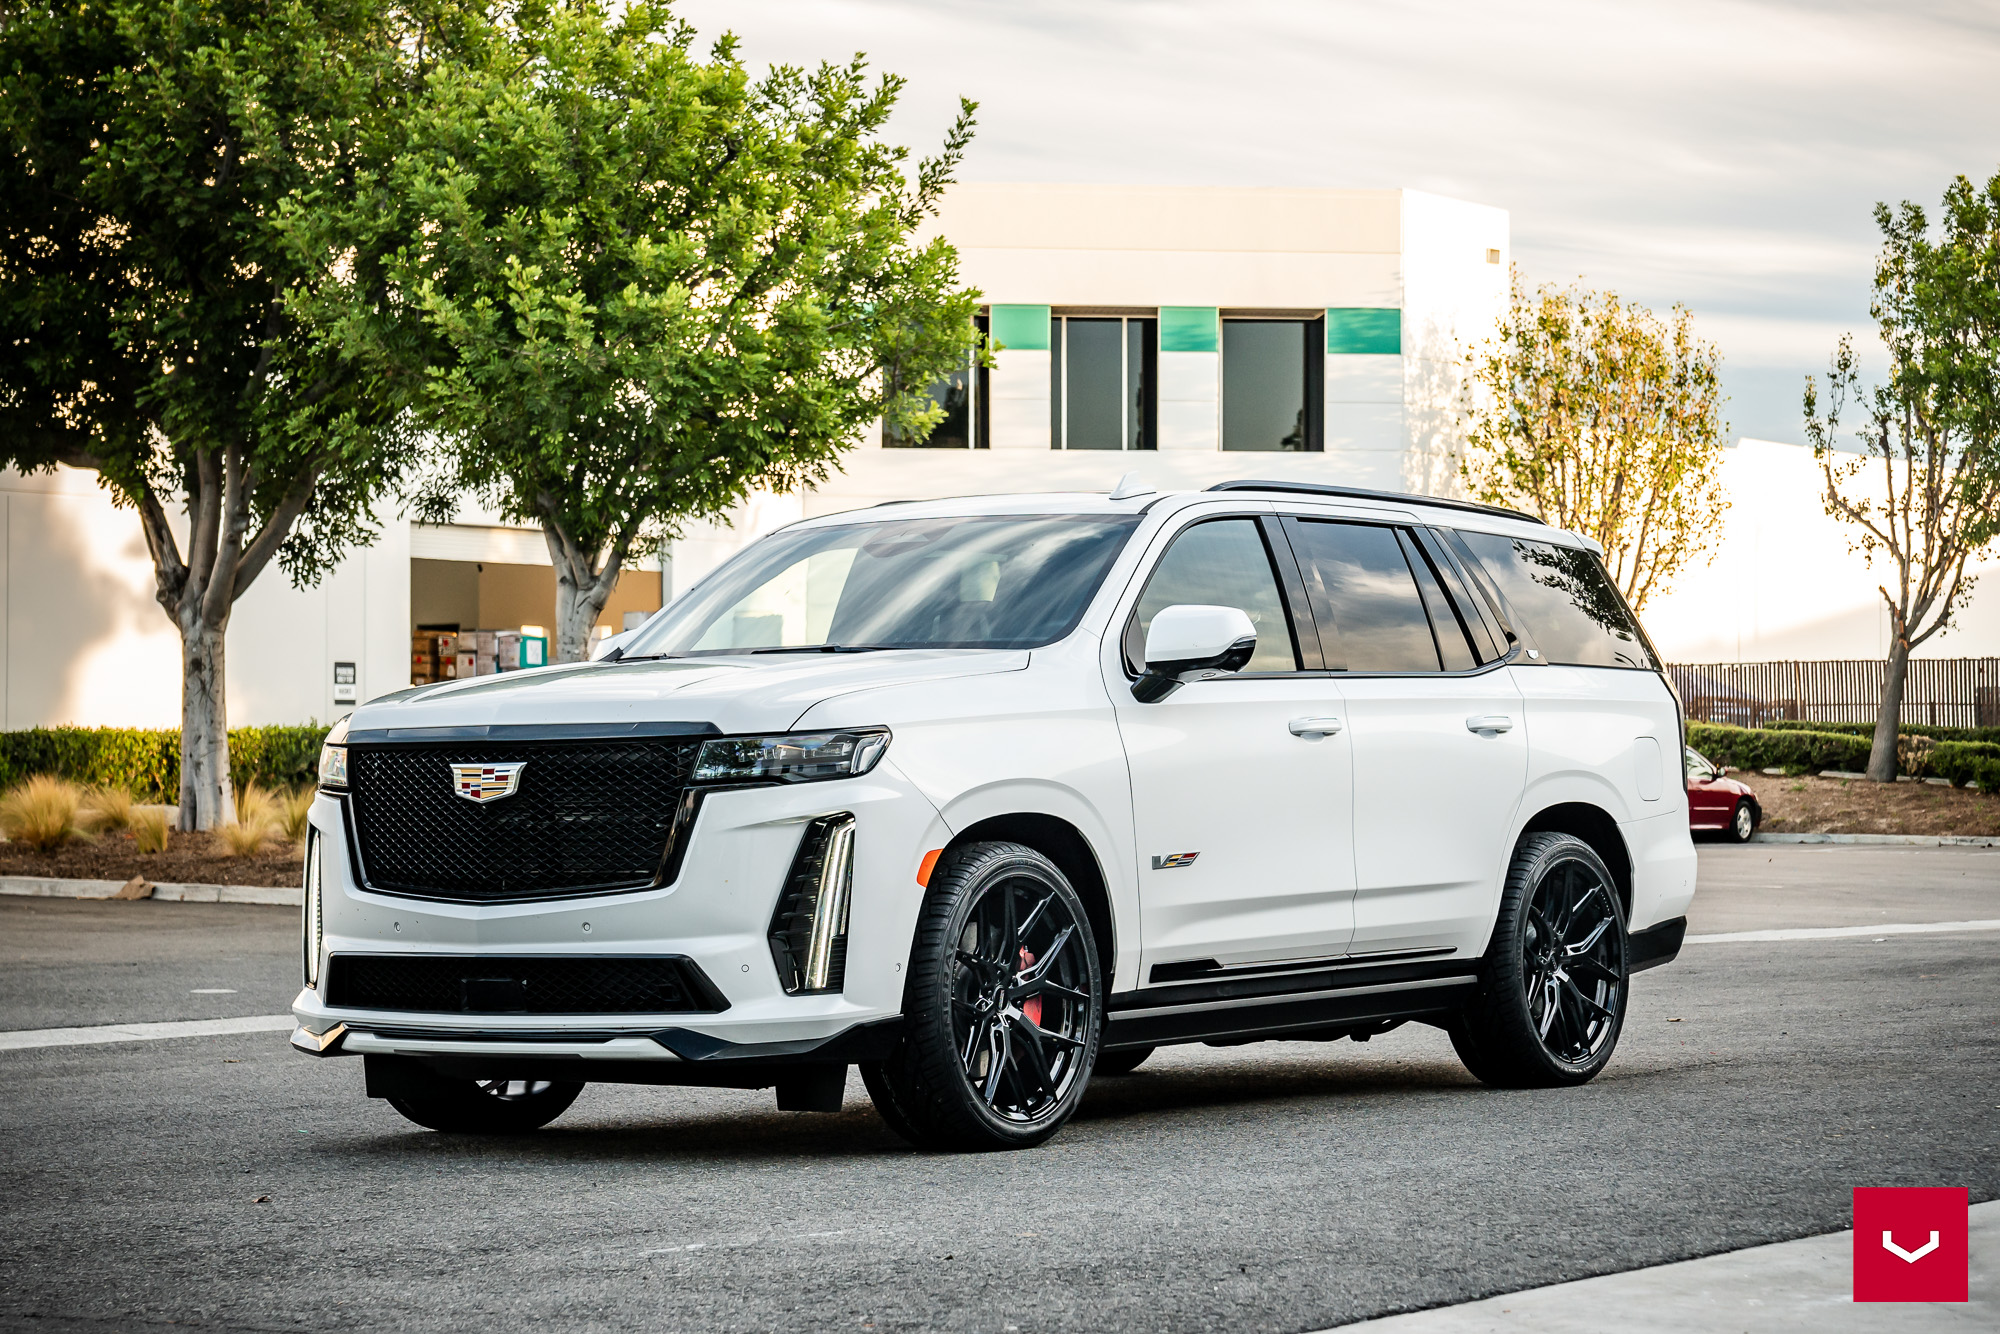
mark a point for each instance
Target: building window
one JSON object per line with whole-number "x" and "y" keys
{"x": 962, "y": 395}
{"x": 1273, "y": 373}
{"x": 1101, "y": 373}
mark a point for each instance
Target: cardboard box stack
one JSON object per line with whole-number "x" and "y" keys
{"x": 485, "y": 645}
{"x": 437, "y": 655}
{"x": 433, "y": 657}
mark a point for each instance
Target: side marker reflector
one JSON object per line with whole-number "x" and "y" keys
{"x": 929, "y": 865}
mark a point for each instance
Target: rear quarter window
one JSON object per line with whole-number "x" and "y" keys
{"x": 1564, "y": 599}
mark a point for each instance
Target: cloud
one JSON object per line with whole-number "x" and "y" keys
{"x": 1724, "y": 154}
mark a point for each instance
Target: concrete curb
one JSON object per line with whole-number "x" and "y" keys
{"x": 1886, "y": 840}
{"x": 291, "y": 896}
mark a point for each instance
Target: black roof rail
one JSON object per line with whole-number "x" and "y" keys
{"x": 1363, "y": 493}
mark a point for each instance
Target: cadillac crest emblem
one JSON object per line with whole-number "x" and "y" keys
{"x": 486, "y": 782}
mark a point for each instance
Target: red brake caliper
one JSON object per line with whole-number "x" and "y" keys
{"x": 1032, "y": 1006}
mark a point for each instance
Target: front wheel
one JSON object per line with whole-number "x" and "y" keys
{"x": 1742, "y": 822}
{"x": 1003, "y": 1007}
{"x": 487, "y": 1106}
{"x": 1553, "y": 996}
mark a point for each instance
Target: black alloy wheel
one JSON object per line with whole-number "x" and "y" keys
{"x": 487, "y": 1106}
{"x": 1003, "y": 1006}
{"x": 1742, "y": 821}
{"x": 1553, "y": 997}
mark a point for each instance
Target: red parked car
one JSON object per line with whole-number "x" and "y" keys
{"x": 1719, "y": 804}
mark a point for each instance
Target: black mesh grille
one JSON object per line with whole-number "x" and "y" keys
{"x": 452, "y": 984}
{"x": 587, "y": 816}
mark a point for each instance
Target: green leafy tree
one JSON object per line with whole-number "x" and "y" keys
{"x": 1599, "y": 417}
{"x": 1923, "y": 493}
{"x": 650, "y": 283}
{"x": 155, "y": 157}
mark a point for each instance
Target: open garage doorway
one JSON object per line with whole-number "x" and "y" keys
{"x": 467, "y": 614}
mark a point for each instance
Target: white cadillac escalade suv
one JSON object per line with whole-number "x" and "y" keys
{"x": 987, "y": 796}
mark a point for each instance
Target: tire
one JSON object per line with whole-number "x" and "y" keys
{"x": 1742, "y": 822}
{"x": 488, "y": 1106}
{"x": 1111, "y": 1064}
{"x": 1554, "y": 982}
{"x": 1003, "y": 1007}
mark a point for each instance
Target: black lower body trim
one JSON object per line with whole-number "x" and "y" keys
{"x": 871, "y": 1041}
{"x": 1655, "y": 945}
{"x": 1323, "y": 1013}
{"x": 706, "y": 1062}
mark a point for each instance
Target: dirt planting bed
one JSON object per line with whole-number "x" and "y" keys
{"x": 197, "y": 859}
{"x": 1812, "y": 805}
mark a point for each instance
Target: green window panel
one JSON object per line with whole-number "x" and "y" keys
{"x": 1366, "y": 329}
{"x": 1021, "y": 328}
{"x": 1189, "y": 329}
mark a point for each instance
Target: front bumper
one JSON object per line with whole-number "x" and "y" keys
{"x": 671, "y": 1056}
{"x": 717, "y": 912}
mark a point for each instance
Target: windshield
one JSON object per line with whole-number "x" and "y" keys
{"x": 993, "y": 582}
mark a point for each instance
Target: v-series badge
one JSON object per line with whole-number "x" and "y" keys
{"x": 1173, "y": 859}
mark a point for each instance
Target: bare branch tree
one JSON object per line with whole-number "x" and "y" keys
{"x": 1923, "y": 493}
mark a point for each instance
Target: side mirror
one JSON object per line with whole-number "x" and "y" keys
{"x": 1190, "y": 642}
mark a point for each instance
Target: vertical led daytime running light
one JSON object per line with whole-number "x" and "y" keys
{"x": 313, "y": 925}
{"x": 829, "y": 927}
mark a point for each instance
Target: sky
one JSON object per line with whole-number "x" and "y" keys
{"x": 1720, "y": 154}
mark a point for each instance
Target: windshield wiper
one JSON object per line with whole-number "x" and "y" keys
{"x": 823, "y": 648}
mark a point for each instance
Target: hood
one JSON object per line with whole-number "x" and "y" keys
{"x": 736, "y": 694}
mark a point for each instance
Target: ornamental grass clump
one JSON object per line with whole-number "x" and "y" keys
{"x": 149, "y": 829}
{"x": 259, "y": 815}
{"x": 245, "y": 838}
{"x": 106, "y": 807}
{"x": 41, "y": 813}
{"x": 294, "y": 811}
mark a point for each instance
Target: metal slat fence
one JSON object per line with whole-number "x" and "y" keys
{"x": 1938, "y": 692}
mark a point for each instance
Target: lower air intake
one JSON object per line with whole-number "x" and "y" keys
{"x": 489, "y": 984}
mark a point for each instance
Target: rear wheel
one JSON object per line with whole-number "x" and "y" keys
{"x": 487, "y": 1106}
{"x": 1742, "y": 822}
{"x": 1553, "y": 999}
{"x": 1003, "y": 1006}
{"x": 1121, "y": 1062}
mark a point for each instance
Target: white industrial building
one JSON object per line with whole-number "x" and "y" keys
{"x": 1185, "y": 334}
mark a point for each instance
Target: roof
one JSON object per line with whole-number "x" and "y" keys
{"x": 1363, "y": 493}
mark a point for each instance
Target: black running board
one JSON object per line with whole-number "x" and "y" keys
{"x": 1297, "y": 1014}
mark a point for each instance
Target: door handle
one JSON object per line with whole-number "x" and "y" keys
{"x": 1313, "y": 726}
{"x": 1489, "y": 722}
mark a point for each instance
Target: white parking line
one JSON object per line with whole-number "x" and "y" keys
{"x": 25, "y": 1038}
{"x": 1840, "y": 932}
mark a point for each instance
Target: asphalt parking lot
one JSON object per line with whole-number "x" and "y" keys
{"x": 1283, "y": 1186}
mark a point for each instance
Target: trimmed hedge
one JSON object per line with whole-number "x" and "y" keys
{"x": 147, "y": 761}
{"x": 1967, "y": 762}
{"x": 1986, "y": 735}
{"x": 1768, "y": 748}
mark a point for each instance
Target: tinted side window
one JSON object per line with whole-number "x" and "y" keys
{"x": 1371, "y": 616}
{"x": 1221, "y": 563}
{"x": 1452, "y": 644}
{"x": 1564, "y": 599}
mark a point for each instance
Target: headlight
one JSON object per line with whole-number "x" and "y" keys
{"x": 333, "y": 757}
{"x": 800, "y": 758}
